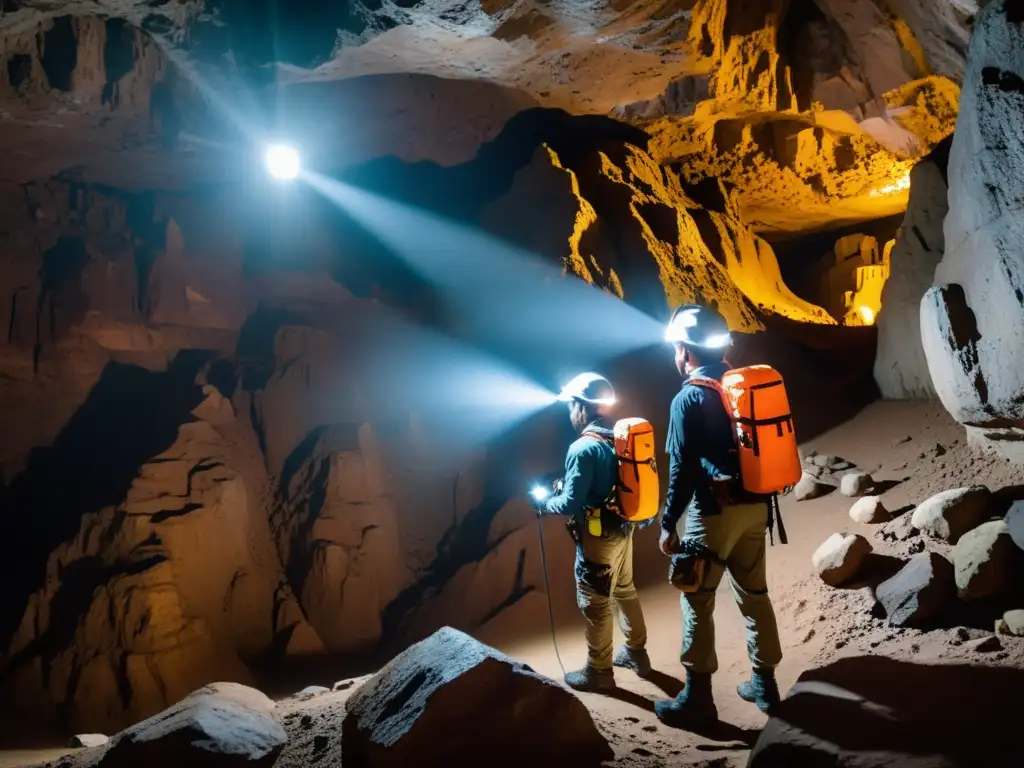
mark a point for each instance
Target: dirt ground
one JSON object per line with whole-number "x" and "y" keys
{"x": 913, "y": 448}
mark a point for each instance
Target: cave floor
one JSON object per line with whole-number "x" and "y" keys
{"x": 913, "y": 449}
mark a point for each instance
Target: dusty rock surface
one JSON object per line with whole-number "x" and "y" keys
{"x": 220, "y": 724}
{"x": 416, "y": 709}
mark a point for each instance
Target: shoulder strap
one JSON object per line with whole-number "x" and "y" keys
{"x": 594, "y": 436}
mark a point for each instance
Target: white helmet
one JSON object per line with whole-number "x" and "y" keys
{"x": 589, "y": 388}
{"x": 699, "y": 327}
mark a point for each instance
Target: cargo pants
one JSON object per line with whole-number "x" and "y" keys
{"x": 737, "y": 536}
{"x": 604, "y": 585}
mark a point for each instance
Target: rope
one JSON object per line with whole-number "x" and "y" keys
{"x": 547, "y": 592}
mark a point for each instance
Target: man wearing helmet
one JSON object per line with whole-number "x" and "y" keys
{"x": 604, "y": 542}
{"x": 715, "y": 522}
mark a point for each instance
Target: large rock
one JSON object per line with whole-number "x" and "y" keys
{"x": 855, "y": 484}
{"x": 869, "y": 511}
{"x": 449, "y": 699}
{"x": 223, "y": 724}
{"x": 901, "y": 369}
{"x": 872, "y": 711}
{"x": 950, "y": 514}
{"x": 1015, "y": 523}
{"x": 984, "y": 560}
{"x": 337, "y": 530}
{"x": 809, "y": 488}
{"x": 1011, "y": 624}
{"x": 972, "y": 320}
{"x": 840, "y": 558}
{"x": 918, "y": 591}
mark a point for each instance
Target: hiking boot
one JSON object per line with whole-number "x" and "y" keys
{"x": 694, "y": 707}
{"x": 590, "y": 679}
{"x": 636, "y": 660}
{"x": 761, "y": 689}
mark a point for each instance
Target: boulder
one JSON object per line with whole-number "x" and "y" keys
{"x": 984, "y": 560}
{"x": 1015, "y": 522}
{"x": 449, "y": 699}
{"x": 972, "y": 319}
{"x": 898, "y": 529}
{"x": 825, "y": 461}
{"x": 840, "y": 557}
{"x": 901, "y": 369}
{"x": 223, "y": 724}
{"x": 1011, "y": 624}
{"x": 809, "y": 488}
{"x": 869, "y": 511}
{"x": 87, "y": 740}
{"x": 873, "y": 711}
{"x": 855, "y": 484}
{"x": 951, "y": 514}
{"x": 918, "y": 591}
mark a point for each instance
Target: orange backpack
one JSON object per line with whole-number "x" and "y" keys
{"x": 756, "y": 401}
{"x": 636, "y": 492}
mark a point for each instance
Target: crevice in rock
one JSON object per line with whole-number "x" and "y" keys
{"x": 1007, "y": 82}
{"x": 118, "y": 56}
{"x": 19, "y": 69}
{"x": 169, "y": 514}
{"x": 518, "y": 592}
{"x": 59, "y": 54}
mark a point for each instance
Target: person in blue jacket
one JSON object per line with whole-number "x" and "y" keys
{"x": 604, "y": 541}
{"x": 709, "y": 517}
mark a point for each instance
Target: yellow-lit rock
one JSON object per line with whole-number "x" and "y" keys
{"x": 699, "y": 253}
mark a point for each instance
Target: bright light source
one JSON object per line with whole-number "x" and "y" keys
{"x": 718, "y": 341}
{"x": 539, "y": 492}
{"x": 282, "y": 162}
{"x": 578, "y": 386}
{"x": 867, "y": 314}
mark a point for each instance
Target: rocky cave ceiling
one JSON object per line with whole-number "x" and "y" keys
{"x": 814, "y": 109}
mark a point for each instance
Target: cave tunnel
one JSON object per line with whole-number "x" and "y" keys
{"x": 291, "y": 295}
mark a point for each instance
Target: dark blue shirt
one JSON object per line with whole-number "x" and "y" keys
{"x": 591, "y": 471}
{"x": 700, "y": 447}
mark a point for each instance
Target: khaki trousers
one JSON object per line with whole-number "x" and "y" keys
{"x": 737, "y": 536}
{"x": 604, "y": 584}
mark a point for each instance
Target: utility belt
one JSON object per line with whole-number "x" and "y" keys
{"x": 600, "y": 522}
{"x": 690, "y": 558}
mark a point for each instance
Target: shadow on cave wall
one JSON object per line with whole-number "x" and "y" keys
{"x": 130, "y": 416}
{"x": 460, "y": 192}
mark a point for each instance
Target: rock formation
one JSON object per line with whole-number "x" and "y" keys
{"x": 449, "y": 696}
{"x": 972, "y": 320}
{"x": 901, "y": 368}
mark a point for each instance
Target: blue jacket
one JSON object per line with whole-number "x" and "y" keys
{"x": 700, "y": 446}
{"x": 591, "y": 471}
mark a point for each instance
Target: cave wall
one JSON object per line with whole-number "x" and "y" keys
{"x": 972, "y": 319}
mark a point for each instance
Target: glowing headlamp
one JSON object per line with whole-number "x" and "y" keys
{"x": 282, "y": 162}
{"x": 539, "y": 492}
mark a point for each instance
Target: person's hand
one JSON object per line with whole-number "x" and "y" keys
{"x": 667, "y": 543}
